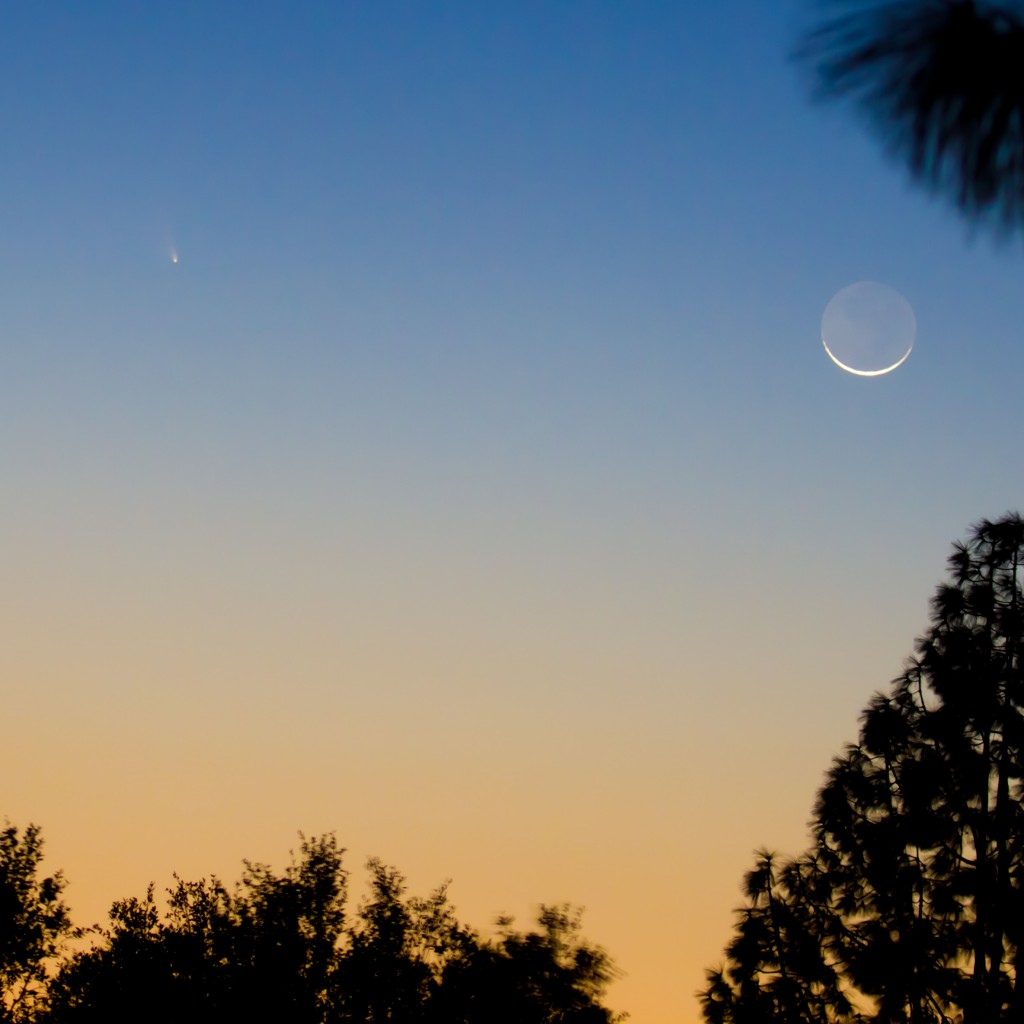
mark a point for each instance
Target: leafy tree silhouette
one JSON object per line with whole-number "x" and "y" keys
{"x": 536, "y": 977}
{"x": 264, "y": 950}
{"x": 397, "y": 952}
{"x": 34, "y": 923}
{"x": 941, "y": 82}
{"x": 281, "y": 947}
{"x": 908, "y": 905}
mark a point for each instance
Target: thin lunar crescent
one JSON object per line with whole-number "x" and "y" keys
{"x": 868, "y": 329}
{"x": 865, "y": 373}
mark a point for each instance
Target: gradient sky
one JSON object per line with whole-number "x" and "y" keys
{"x": 476, "y": 484}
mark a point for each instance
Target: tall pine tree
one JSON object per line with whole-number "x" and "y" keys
{"x": 908, "y": 904}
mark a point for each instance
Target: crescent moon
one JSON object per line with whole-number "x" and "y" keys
{"x": 866, "y": 373}
{"x": 868, "y": 329}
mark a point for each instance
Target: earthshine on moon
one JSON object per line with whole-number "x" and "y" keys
{"x": 868, "y": 329}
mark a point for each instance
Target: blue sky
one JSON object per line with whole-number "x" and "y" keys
{"x": 484, "y": 409}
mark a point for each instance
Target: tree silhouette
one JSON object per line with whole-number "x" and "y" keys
{"x": 263, "y": 950}
{"x": 34, "y": 923}
{"x": 942, "y": 84}
{"x": 536, "y": 977}
{"x": 282, "y": 947}
{"x": 397, "y": 952}
{"x": 908, "y": 905}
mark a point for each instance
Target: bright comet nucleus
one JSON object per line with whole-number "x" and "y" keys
{"x": 868, "y": 329}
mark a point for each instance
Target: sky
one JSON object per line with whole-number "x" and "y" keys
{"x": 475, "y": 485}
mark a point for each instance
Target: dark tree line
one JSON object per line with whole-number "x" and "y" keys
{"x": 909, "y": 904}
{"x": 284, "y": 947}
{"x": 34, "y": 924}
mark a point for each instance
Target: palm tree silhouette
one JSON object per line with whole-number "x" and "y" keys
{"x": 942, "y": 83}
